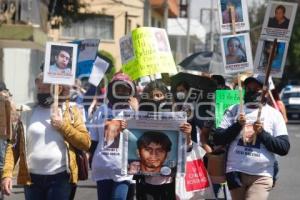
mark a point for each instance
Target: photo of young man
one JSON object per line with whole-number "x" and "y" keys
{"x": 61, "y": 57}
{"x": 152, "y": 149}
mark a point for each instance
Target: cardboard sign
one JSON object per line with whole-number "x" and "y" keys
{"x": 146, "y": 52}
{"x": 225, "y": 99}
{"x": 99, "y": 68}
{"x": 60, "y": 63}
{"x": 87, "y": 51}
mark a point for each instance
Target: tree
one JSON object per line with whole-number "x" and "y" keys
{"x": 68, "y": 10}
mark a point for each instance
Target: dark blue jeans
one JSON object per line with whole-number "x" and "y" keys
{"x": 48, "y": 187}
{"x": 111, "y": 190}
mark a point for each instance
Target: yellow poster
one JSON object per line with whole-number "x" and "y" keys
{"x": 146, "y": 52}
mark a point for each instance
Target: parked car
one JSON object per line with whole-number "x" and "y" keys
{"x": 291, "y": 99}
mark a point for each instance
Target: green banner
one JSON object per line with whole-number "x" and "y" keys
{"x": 146, "y": 52}
{"x": 225, "y": 99}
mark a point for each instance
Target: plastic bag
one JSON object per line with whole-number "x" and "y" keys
{"x": 195, "y": 183}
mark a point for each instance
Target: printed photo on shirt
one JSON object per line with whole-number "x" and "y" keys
{"x": 60, "y": 63}
{"x": 279, "y": 19}
{"x": 112, "y": 131}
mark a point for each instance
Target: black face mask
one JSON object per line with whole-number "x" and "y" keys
{"x": 252, "y": 97}
{"x": 45, "y": 99}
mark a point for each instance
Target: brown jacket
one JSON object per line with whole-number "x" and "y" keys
{"x": 75, "y": 135}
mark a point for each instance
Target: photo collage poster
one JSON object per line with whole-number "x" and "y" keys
{"x": 235, "y": 42}
{"x": 278, "y": 23}
{"x": 155, "y": 145}
{"x": 60, "y": 63}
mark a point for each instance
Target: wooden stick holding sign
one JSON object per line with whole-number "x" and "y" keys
{"x": 56, "y": 93}
{"x": 266, "y": 83}
{"x": 232, "y": 16}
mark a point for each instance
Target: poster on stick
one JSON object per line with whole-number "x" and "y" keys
{"x": 236, "y": 52}
{"x": 262, "y": 55}
{"x": 146, "y": 52}
{"x": 240, "y": 17}
{"x": 60, "y": 63}
{"x": 155, "y": 145}
{"x": 279, "y": 19}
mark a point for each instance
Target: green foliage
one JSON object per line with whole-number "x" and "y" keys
{"x": 112, "y": 62}
{"x": 68, "y": 10}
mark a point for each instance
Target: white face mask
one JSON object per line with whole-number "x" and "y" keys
{"x": 180, "y": 95}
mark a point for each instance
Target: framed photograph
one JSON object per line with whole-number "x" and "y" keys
{"x": 279, "y": 19}
{"x": 240, "y": 15}
{"x": 155, "y": 146}
{"x": 236, "y": 53}
{"x": 60, "y": 63}
{"x": 262, "y": 55}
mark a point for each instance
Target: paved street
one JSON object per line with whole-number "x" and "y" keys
{"x": 287, "y": 188}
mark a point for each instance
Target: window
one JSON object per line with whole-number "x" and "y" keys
{"x": 93, "y": 26}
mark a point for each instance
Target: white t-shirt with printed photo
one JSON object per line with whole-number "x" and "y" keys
{"x": 107, "y": 162}
{"x": 250, "y": 158}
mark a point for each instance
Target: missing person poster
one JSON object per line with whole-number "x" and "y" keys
{"x": 279, "y": 19}
{"x": 262, "y": 55}
{"x": 236, "y": 52}
{"x": 146, "y": 52}
{"x": 155, "y": 145}
{"x": 60, "y": 63}
{"x": 240, "y": 15}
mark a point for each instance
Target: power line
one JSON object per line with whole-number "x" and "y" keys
{"x": 129, "y": 5}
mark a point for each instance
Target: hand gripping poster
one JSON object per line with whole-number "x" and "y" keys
{"x": 155, "y": 146}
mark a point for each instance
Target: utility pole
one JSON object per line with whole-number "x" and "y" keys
{"x": 147, "y": 13}
{"x": 166, "y": 14}
{"x": 212, "y": 26}
{"x": 188, "y": 27}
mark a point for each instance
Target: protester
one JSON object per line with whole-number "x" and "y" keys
{"x": 61, "y": 63}
{"x": 47, "y": 168}
{"x": 155, "y": 97}
{"x": 250, "y": 161}
{"x": 106, "y": 162}
{"x": 235, "y": 51}
{"x": 279, "y": 20}
{"x": 207, "y": 131}
{"x": 6, "y": 132}
{"x": 158, "y": 187}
